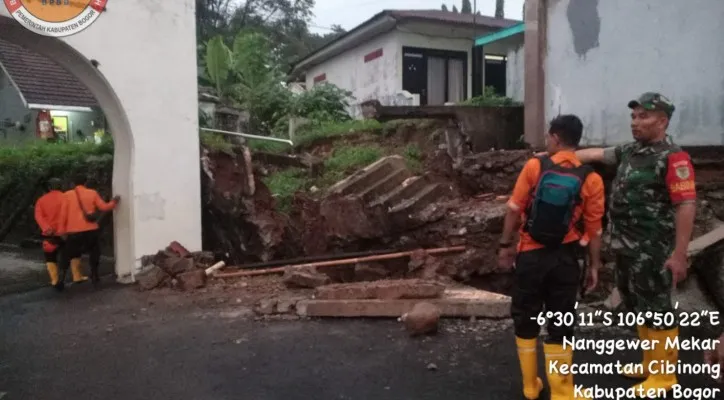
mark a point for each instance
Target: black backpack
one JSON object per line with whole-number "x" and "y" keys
{"x": 554, "y": 199}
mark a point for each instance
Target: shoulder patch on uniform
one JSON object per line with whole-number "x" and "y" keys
{"x": 682, "y": 171}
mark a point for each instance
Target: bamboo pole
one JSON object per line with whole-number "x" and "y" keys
{"x": 348, "y": 261}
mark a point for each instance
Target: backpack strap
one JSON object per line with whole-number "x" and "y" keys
{"x": 545, "y": 164}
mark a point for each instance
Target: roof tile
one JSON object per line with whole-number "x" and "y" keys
{"x": 452, "y": 17}
{"x": 41, "y": 80}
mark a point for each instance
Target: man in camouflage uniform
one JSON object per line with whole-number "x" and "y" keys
{"x": 651, "y": 215}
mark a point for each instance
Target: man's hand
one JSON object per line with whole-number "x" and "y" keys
{"x": 117, "y": 199}
{"x": 506, "y": 258}
{"x": 678, "y": 264}
{"x": 592, "y": 277}
{"x": 49, "y": 232}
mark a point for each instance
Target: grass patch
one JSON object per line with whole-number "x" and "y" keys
{"x": 284, "y": 184}
{"x": 216, "y": 141}
{"x": 311, "y": 134}
{"x": 413, "y": 158}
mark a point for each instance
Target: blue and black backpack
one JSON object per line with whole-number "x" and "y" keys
{"x": 554, "y": 199}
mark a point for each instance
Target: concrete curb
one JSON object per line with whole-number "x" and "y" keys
{"x": 458, "y": 303}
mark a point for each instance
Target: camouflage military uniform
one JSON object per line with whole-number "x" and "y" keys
{"x": 650, "y": 181}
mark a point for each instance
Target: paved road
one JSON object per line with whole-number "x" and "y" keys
{"x": 118, "y": 344}
{"x": 23, "y": 269}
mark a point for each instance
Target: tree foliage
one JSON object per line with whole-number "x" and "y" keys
{"x": 284, "y": 22}
{"x": 499, "y": 8}
{"x": 467, "y": 8}
{"x": 250, "y": 76}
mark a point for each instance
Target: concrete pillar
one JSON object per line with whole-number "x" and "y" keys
{"x": 146, "y": 85}
{"x": 535, "y": 52}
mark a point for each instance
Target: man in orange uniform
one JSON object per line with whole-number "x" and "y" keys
{"x": 80, "y": 214}
{"x": 551, "y": 196}
{"x": 47, "y": 216}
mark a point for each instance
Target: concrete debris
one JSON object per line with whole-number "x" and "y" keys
{"x": 151, "y": 278}
{"x": 307, "y": 277}
{"x": 371, "y": 271}
{"x": 385, "y": 289}
{"x": 422, "y": 319}
{"x": 168, "y": 268}
{"x": 265, "y": 307}
{"x": 193, "y": 279}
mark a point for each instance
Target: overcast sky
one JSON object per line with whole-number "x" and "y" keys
{"x": 350, "y": 13}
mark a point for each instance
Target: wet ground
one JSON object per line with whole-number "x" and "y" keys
{"x": 120, "y": 344}
{"x": 23, "y": 269}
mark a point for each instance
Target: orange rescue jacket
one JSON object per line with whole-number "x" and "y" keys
{"x": 48, "y": 210}
{"x": 72, "y": 215}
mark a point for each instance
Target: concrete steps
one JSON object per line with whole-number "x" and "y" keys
{"x": 385, "y": 185}
{"x": 389, "y": 183}
{"x": 368, "y": 176}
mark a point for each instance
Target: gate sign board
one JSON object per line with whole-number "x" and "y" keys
{"x": 56, "y": 18}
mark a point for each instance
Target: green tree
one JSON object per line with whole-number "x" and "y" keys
{"x": 499, "y": 8}
{"x": 467, "y": 8}
{"x": 444, "y": 8}
{"x": 455, "y": 9}
{"x": 284, "y": 22}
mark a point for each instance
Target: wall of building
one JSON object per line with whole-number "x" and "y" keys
{"x": 601, "y": 54}
{"x": 151, "y": 105}
{"x": 13, "y": 110}
{"x": 515, "y": 73}
{"x": 374, "y": 79}
{"x": 381, "y": 78}
{"x": 435, "y": 36}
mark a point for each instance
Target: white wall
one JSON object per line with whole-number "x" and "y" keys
{"x": 515, "y": 73}
{"x": 601, "y": 54}
{"x": 375, "y": 79}
{"x": 146, "y": 86}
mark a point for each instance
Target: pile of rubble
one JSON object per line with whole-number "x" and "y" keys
{"x": 381, "y": 207}
{"x": 177, "y": 268}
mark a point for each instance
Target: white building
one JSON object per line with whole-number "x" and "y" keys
{"x": 31, "y": 83}
{"x": 429, "y": 54}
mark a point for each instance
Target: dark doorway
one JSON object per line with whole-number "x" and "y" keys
{"x": 438, "y": 76}
{"x": 414, "y": 73}
{"x": 495, "y": 73}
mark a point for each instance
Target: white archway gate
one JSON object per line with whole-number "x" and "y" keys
{"x": 146, "y": 84}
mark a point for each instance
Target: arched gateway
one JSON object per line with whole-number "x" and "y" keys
{"x": 144, "y": 79}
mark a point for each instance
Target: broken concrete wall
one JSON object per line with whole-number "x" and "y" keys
{"x": 489, "y": 128}
{"x": 590, "y": 56}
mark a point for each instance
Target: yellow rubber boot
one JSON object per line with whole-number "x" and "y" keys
{"x": 640, "y": 371}
{"x": 659, "y": 379}
{"x": 561, "y": 385}
{"x": 52, "y": 272}
{"x": 527, "y": 355}
{"x": 77, "y": 273}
